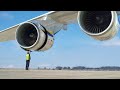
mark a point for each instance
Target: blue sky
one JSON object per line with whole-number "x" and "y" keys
{"x": 71, "y": 48}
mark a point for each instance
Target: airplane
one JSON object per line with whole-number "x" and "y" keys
{"x": 37, "y": 34}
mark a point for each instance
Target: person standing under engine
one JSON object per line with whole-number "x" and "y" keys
{"x": 28, "y": 57}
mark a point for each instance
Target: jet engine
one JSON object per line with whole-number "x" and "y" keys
{"x": 34, "y": 36}
{"x": 101, "y": 25}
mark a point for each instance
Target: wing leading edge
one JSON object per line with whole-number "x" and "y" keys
{"x": 53, "y": 20}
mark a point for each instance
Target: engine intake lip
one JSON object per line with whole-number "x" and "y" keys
{"x": 79, "y": 17}
{"x": 38, "y": 35}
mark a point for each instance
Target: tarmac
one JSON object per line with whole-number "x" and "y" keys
{"x": 57, "y": 74}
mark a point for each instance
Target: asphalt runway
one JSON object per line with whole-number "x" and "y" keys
{"x": 57, "y": 74}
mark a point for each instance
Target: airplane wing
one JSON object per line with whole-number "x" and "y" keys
{"x": 52, "y": 19}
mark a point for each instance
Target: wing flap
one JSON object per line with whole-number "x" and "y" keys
{"x": 8, "y": 34}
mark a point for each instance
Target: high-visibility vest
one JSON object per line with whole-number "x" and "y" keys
{"x": 28, "y": 57}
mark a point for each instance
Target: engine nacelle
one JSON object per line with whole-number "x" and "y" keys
{"x": 34, "y": 36}
{"x": 101, "y": 25}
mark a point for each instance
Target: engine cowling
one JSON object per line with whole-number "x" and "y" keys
{"x": 101, "y": 25}
{"x": 34, "y": 36}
